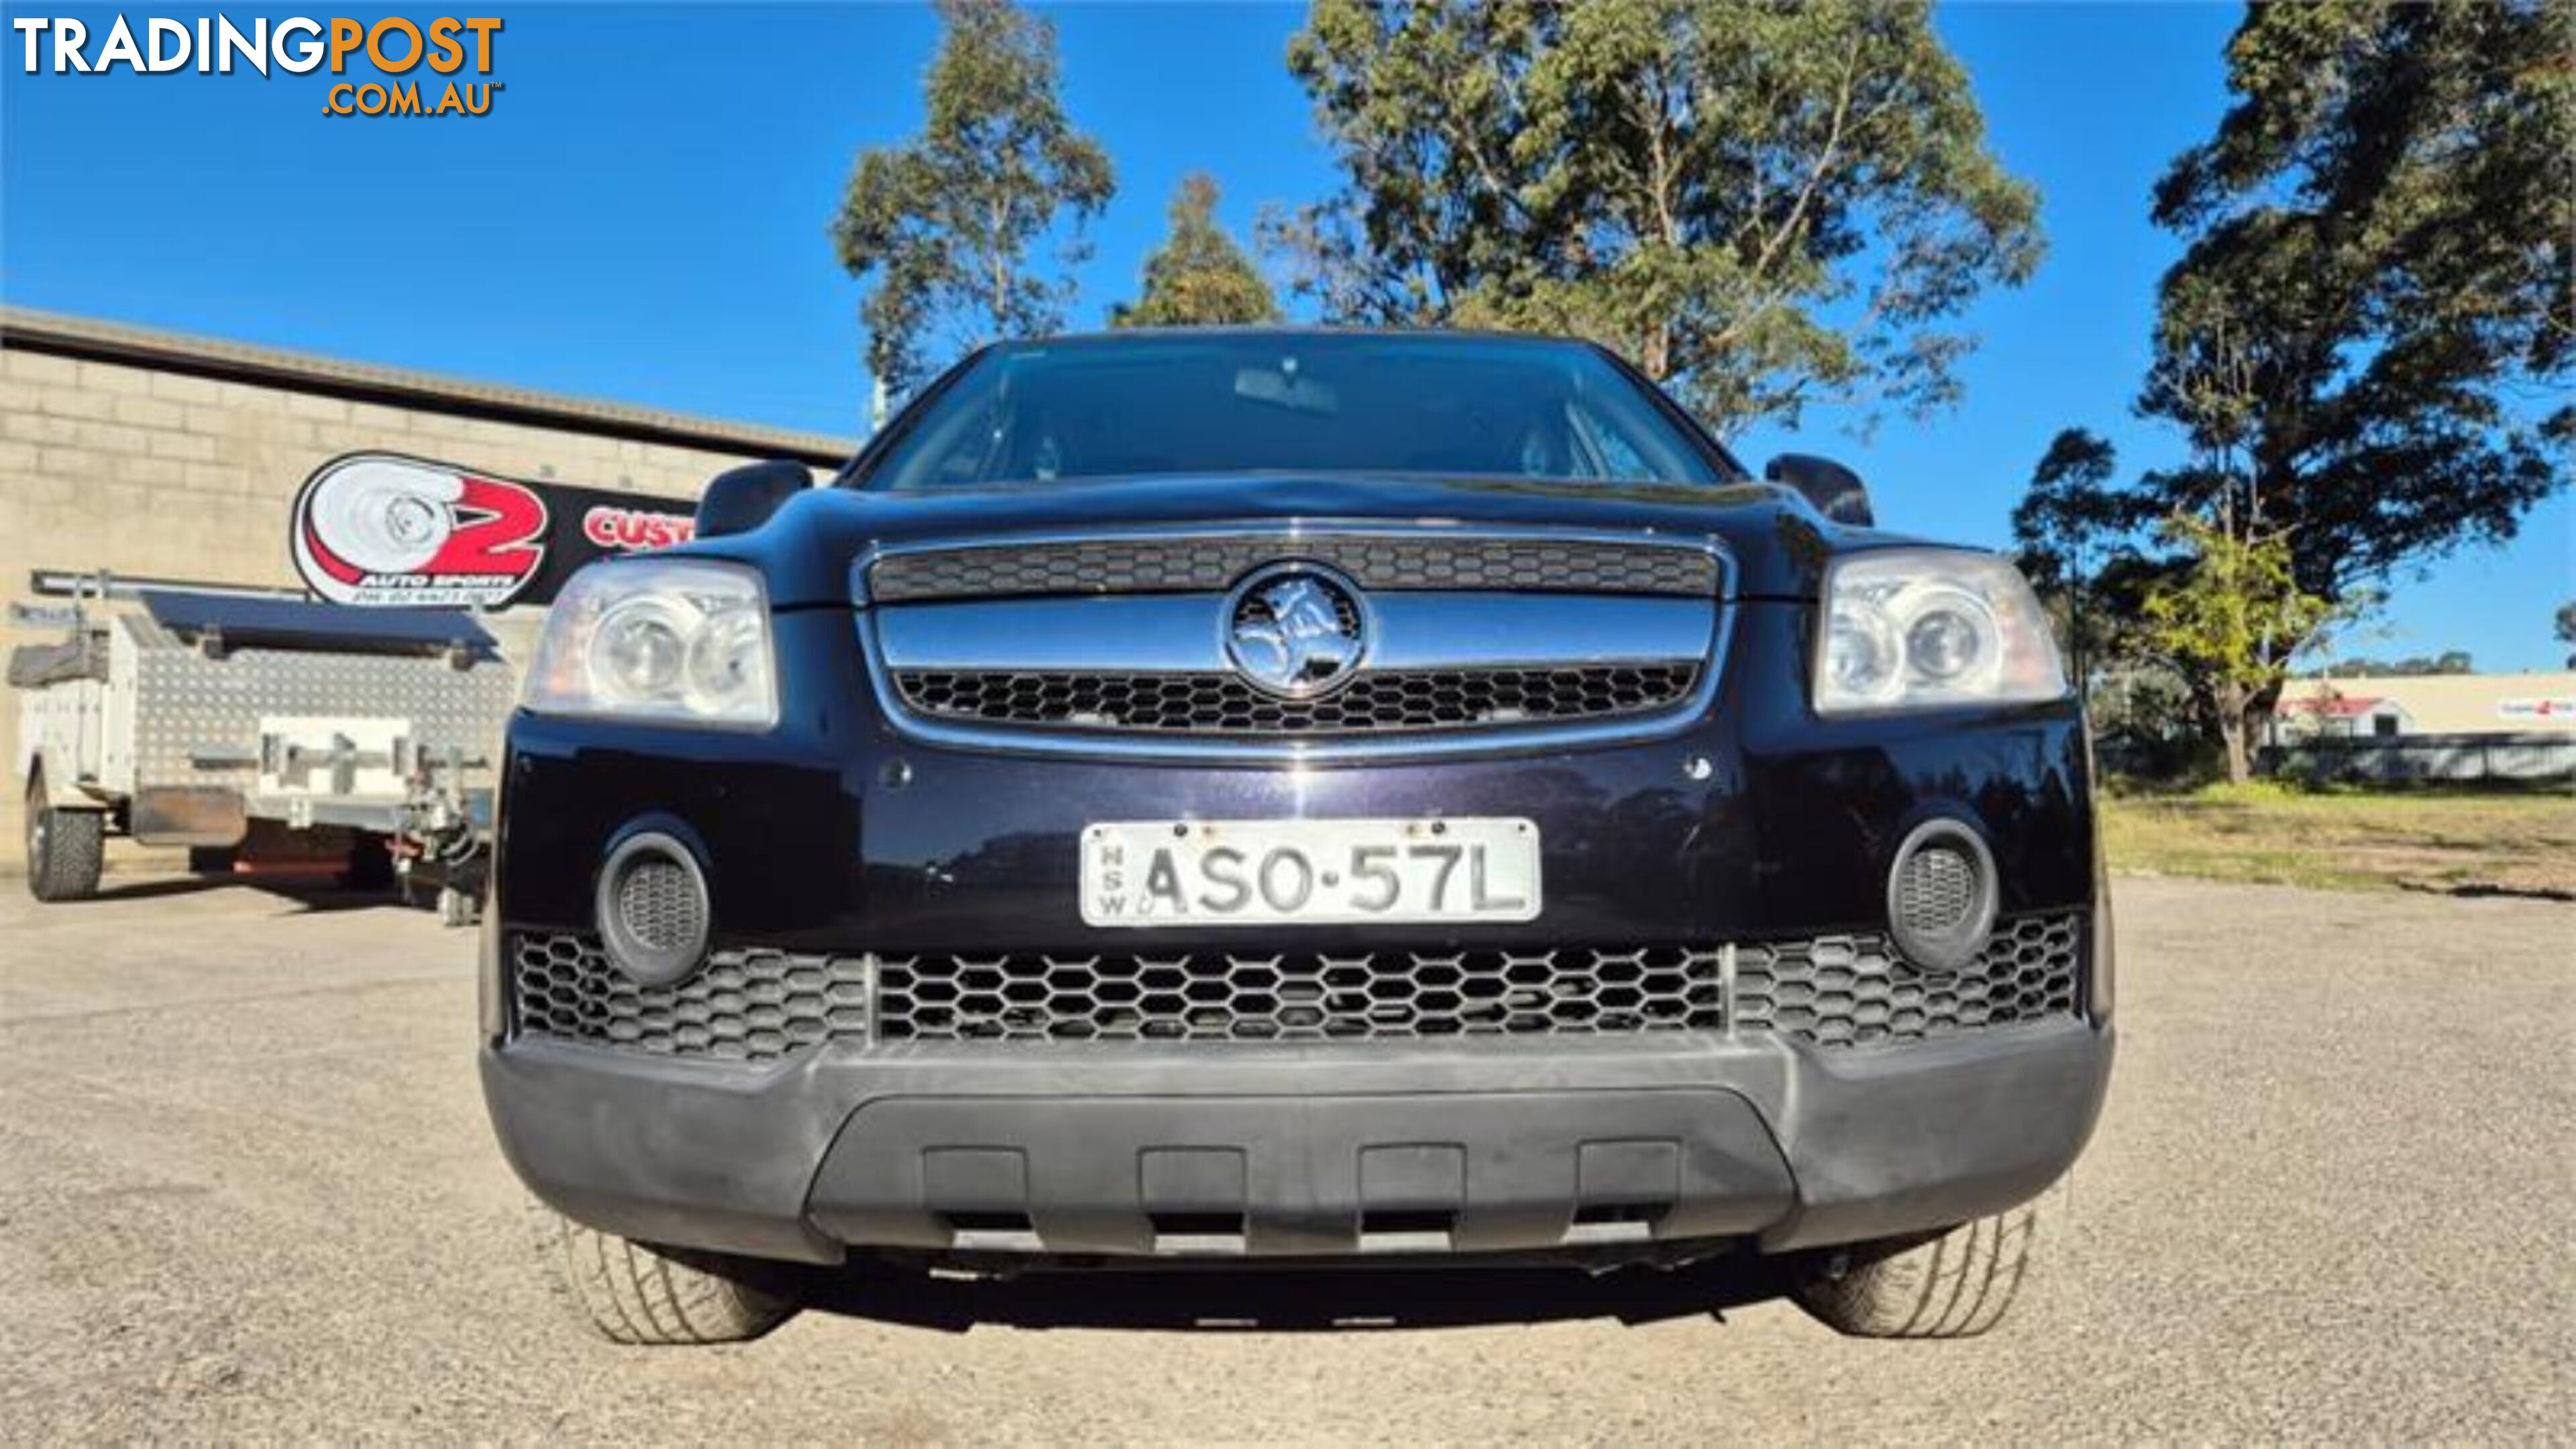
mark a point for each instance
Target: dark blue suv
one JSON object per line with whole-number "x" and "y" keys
{"x": 1314, "y": 797}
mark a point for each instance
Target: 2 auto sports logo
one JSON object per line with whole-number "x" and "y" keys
{"x": 379, "y": 529}
{"x": 375, "y": 529}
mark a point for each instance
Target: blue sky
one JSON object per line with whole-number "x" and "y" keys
{"x": 642, "y": 218}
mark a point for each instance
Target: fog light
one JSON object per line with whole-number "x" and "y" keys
{"x": 1941, "y": 896}
{"x": 652, "y": 908}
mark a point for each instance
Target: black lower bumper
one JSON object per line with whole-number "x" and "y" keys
{"x": 1277, "y": 1150}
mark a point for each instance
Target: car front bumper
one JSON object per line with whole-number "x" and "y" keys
{"x": 837, "y": 834}
{"x": 1286, "y": 1150}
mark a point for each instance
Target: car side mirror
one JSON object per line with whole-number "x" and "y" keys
{"x": 1836, "y": 491}
{"x": 739, "y": 500}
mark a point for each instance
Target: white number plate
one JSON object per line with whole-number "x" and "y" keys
{"x": 1308, "y": 872}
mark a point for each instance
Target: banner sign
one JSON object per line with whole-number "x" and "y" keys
{"x": 381, "y": 530}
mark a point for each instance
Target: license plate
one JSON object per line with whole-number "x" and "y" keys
{"x": 1144, "y": 873}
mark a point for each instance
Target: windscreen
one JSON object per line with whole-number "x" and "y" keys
{"x": 1143, "y": 406}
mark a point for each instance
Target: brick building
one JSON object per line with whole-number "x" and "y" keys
{"x": 154, "y": 455}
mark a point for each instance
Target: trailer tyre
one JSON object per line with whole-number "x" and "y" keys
{"x": 370, "y": 867}
{"x": 65, "y": 848}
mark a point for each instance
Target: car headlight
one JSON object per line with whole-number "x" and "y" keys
{"x": 684, "y": 640}
{"x": 1915, "y": 628}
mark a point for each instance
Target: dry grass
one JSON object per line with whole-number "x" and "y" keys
{"x": 2523, "y": 844}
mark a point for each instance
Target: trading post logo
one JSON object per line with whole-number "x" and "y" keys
{"x": 448, "y": 46}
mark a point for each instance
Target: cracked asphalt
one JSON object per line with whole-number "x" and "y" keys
{"x": 247, "y": 1191}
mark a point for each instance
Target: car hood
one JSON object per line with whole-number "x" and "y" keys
{"x": 1779, "y": 545}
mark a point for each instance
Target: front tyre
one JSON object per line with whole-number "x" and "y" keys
{"x": 1955, "y": 1286}
{"x": 629, "y": 1292}
{"x": 65, "y": 848}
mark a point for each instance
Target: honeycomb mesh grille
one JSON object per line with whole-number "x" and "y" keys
{"x": 1204, "y": 564}
{"x": 752, "y": 1006}
{"x": 1854, "y": 990}
{"x": 1834, "y": 992}
{"x": 660, "y": 904}
{"x": 1299, "y": 997}
{"x": 1374, "y": 703}
{"x": 1937, "y": 894}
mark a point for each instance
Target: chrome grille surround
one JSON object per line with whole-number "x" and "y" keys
{"x": 1834, "y": 993}
{"x": 950, "y": 646}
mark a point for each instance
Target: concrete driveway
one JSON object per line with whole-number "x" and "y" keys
{"x": 246, "y": 1190}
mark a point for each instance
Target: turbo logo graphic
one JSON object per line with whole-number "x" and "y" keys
{"x": 376, "y": 529}
{"x": 387, "y": 530}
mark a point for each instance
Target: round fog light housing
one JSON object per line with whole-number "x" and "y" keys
{"x": 1941, "y": 896}
{"x": 652, "y": 909}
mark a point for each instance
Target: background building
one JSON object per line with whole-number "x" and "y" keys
{"x": 2396, "y": 706}
{"x": 158, "y": 456}
{"x": 2460, "y": 727}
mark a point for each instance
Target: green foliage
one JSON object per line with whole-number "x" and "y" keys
{"x": 2235, "y": 610}
{"x": 2230, "y": 620}
{"x": 2565, "y": 625}
{"x": 2450, "y": 661}
{"x": 2372, "y": 309}
{"x": 2068, "y": 530}
{"x": 945, "y": 223}
{"x": 2070, "y": 511}
{"x": 1764, "y": 205}
{"x": 1198, "y": 276}
{"x": 2381, "y": 236}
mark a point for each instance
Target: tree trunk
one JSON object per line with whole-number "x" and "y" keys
{"x": 2231, "y": 734}
{"x": 2233, "y": 705}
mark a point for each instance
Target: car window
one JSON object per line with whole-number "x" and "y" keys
{"x": 1289, "y": 402}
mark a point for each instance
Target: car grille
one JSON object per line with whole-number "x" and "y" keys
{"x": 1857, "y": 991}
{"x": 1213, "y": 563}
{"x": 1834, "y": 992}
{"x": 743, "y": 1005}
{"x": 1299, "y": 997}
{"x": 1206, "y": 703}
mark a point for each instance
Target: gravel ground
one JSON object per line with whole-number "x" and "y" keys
{"x": 246, "y": 1190}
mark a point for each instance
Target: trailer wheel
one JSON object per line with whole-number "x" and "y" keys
{"x": 370, "y": 867}
{"x": 65, "y": 848}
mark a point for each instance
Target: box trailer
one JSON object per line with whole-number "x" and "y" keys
{"x": 261, "y": 729}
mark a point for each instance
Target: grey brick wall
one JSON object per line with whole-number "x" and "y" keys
{"x": 150, "y": 472}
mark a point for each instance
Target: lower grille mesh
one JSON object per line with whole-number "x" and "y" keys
{"x": 1299, "y": 997}
{"x": 1857, "y": 991}
{"x": 752, "y": 1006}
{"x": 1380, "y": 702}
{"x": 1833, "y": 991}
